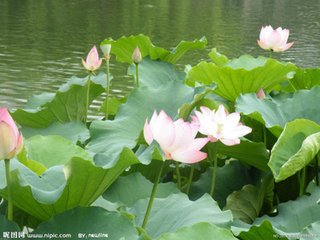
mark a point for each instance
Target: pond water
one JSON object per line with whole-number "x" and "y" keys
{"x": 42, "y": 42}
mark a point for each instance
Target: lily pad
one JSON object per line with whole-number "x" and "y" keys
{"x": 177, "y": 211}
{"x": 275, "y": 113}
{"x": 77, "y": 183}
{"x": 199, "y": 231}
{"x": 263, "y": 231}
{"x": 74, "y": 131}
{"x": 294, "y": 216}
{"x": 66, "y": 105}
{"x": 102, "y": 225}
{"x": 129, "y": 189}
{"x": 296, "y": 147}
{"x": 243, "y": 75}
{"x": 124, "y": 47}
{"x": 306, "y": 78}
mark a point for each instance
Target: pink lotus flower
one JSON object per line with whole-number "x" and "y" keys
{"x": 219, "y": 125}
{"x": 275, "y": 40}
{"x": 11, "y": 140}
{"x": 176, "y": 138}
{"x": 92, "y": 62}
{"x": 136, "y": 56}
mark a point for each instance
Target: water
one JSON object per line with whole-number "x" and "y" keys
{"x": 42, "y": 42}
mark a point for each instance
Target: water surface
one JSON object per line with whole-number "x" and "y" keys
{"x": 42, "y": 42}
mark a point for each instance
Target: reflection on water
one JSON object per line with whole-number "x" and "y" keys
{"x": 42, "y": 42}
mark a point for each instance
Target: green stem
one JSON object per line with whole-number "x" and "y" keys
{"x": 213, "y": 156}
{"x": 137, "y": 75}
{"x": 271, "y": 53}
{"x": 178, "y": 175}
{"x": 107, "y": 90}
{"x": 8, "y": 178}
{"x": 302, "y": 181}
{"x": 153, "y": 194}
{"x": 88, "y": 98}
{"x": 190, "y": 179}
{"x": 317, "y": 169}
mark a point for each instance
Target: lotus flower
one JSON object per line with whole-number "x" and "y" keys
{"x": 176, "y": 138}
{"x": 219, "y": 125}
{"x": 275, "y": 40}
{"x": 11, "y": 140}
{"x": 92, "y": 62}
{"x": 136, "y": 56}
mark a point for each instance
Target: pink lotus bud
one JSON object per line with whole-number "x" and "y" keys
{"x": 92, "y": 62}
{"x": 220, "y": 125}
{"x": 11, "y": 140}
{"x": 106, "y": 48}
{"x": 275, "y": 40}
{"x": 261, "y": 94}
{"x": 136, "y": 56}
{"x": 177, "y": 139}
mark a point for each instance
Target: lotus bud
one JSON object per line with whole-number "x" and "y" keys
{"x": 106, "y": 48}
{"x": 136, "y": 56}
{"x": 261, "y": 94}
{"x": 11, "y": 140}
{"x": 92, "y": 62}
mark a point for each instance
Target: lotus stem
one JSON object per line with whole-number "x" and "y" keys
{"x": 190, "y": 179}
{"x": 10, "y": 199}
{"x": 88, "y": 98}
{"x": 107, "y": 90}
{"x": 212, "y": 153}
{"x": 178, "y": 175}
{"x": 137, "y": 75}
{"x": 317, "y": 169}
{"x": 271, "y": 53}
{"x": 302, "y": 181}
{"x": 153, "y": 194}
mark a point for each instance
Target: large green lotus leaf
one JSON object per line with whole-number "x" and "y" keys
{"x": 109, "y": 138}
{"x": 177, "y": 211}
{"x": 243, "y": 75}
{"x": 245, "y": 204}
{"x": 252, "y": 232}
{"x": 306, "y": 78}
{"x": 296, "y": 147}
{"x": 251, "y": 153}
{"x": 154, "y": 74}
{"x": 89, "y": 223}
{"x": 199, "y": 231}
{"x": 237, "y": 176}
{"x": 311, "y": 231}
{"x": 129, "y": 189}
{"x": 294, "y": 216}
{"x": 53, "y": 150}
{"x": 124, "y": 47}
{"x": 275, "y": 113}
{"x": 218, "y": 58}
{"x": 76, "y": 183}
{"x": 6, "y": 227}
{"x": 74, "y": 131}
{"x": 68, "y": 104}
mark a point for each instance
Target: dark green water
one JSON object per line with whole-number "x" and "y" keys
{"x": 42, "y": 41}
